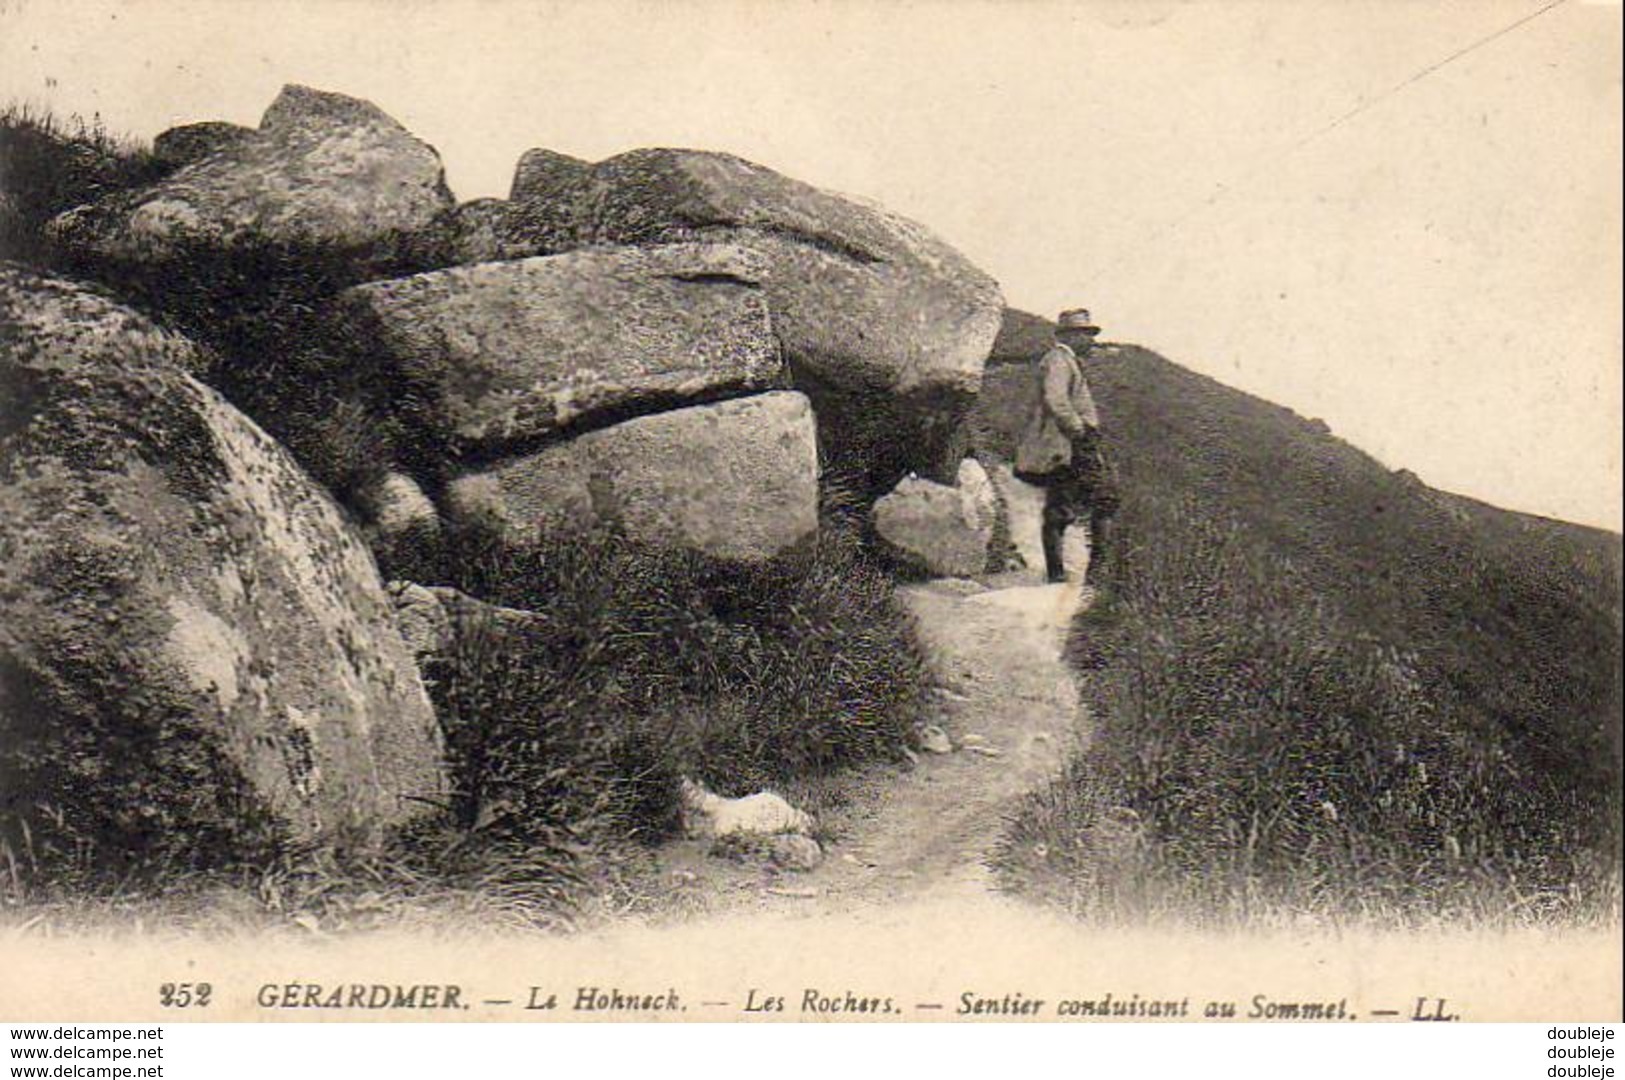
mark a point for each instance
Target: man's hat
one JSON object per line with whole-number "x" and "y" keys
{"x": 1077, "y": 319}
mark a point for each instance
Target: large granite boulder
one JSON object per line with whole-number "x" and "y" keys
{"x": 884, "y": 324}
{"x": 945, "y": 530}
{"x": 188, "y": 144}
{"x": 500, "y": 354}
{"x": 736, "y": 479}
{"x": 478, "y": 233}
{"x": 196, "y": 654}
{"x": 546, "y": 202}
{"x": 324, "y": 173}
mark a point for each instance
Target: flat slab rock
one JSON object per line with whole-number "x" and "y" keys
{"x": 872, "y": 308}
{"x": 505, "y": 352}
{"x": 737, "y": 479}
{"x": 187, "y": 623}
{"x": 857, "y": 291}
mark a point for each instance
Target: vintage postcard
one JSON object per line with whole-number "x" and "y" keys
{"x": 810, "y": 511}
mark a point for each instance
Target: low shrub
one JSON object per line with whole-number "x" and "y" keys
{"x": 568, "y": 732}
{"x": 741, "y": 674}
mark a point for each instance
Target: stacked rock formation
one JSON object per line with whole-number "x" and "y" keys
{"x": 679, "y": 346}
{"x": 884, "y": 326}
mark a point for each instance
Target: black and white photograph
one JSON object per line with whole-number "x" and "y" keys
{"x": 937, "y": 511}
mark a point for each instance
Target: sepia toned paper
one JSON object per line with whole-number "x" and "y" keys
{"x": 1444, "y": 314}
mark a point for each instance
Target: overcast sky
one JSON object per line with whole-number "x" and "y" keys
{"x": 1437, "y": 276}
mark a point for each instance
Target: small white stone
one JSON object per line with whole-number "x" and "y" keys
{"x": 935, "y": 741}
{"x": 761, "y": 814}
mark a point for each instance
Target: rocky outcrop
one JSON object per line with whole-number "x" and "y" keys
{"x": 1009, "y": 384}
{"x": 546, "y": 202}
{"x": 323, "y": 173}
{"x": 1023, "y": 337}
{"x": 242, "y": 248}
{"x": 195, "y": 649}
{"x": 188, "y": 144}
{"x": 434, "y": 618}
{"x": 884, "y": 324}
{"x": 478, "y": 234}
{"x": 504, "y": 353}
{"x": 945, "y": 530}
{"x": 737, "y": 479}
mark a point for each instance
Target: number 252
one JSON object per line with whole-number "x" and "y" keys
{"x": 184, "y": 995}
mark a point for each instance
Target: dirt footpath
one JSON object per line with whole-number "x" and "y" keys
{"x": 1009, "y": 706}
{"x": 896, "y": 835}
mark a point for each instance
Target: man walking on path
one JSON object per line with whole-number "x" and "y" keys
{"x": 1060, "y": 448}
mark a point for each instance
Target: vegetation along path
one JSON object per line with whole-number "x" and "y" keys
{"x": 1009, "y": 706}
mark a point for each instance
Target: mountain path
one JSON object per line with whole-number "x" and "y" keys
{"x": 898, "y": 834}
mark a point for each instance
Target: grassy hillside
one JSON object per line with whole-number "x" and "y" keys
{"x": 1321, "y": 687}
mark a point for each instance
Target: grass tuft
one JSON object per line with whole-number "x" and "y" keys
{"x": 49, "y": 165}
